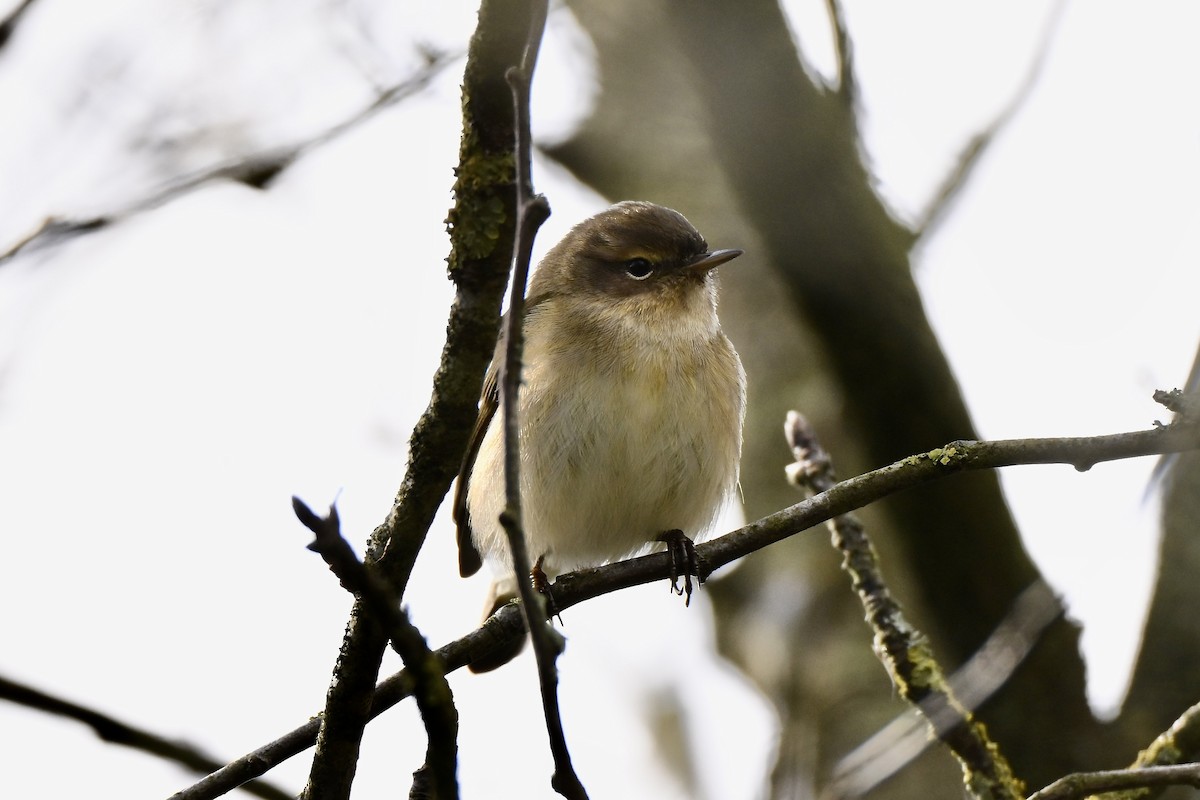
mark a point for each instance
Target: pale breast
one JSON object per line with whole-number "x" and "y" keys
{"x": 616, "y": 452}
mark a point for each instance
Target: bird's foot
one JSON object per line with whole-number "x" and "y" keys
{"x": 685, "y": 562}
{"x": 541, "y": 585}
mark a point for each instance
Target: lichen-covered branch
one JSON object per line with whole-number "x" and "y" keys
{"x": 896, "y": 745}
{"x": 482, "y": 231}
{"x": 905, "y": 653}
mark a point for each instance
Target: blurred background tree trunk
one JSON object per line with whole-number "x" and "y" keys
{"x": 709, "y": 107}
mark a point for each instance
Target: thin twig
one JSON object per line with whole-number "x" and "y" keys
{"x": 432, "y": 693}
{"x": 903, "y": 650}
{"x": 254, "y": 169}
{"x": 1081, "y": 452}
{"x": 533, "y": 210}
{"x": 506, "y": 625}
{"x": 971, "y": 155}
{"x": 899, "y": 742}
{"x": 9, "y": 23}
{"x": 114, "y": 731}
{"x": 1083, "y": 784}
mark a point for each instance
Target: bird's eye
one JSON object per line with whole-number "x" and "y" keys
{"x": 638, "y": 268}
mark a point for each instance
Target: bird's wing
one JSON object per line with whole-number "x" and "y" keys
{"x": 469, "y": 559}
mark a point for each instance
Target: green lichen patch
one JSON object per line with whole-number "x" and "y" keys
{"x": 475, "y": 223}
{"x": 944, "y": 455}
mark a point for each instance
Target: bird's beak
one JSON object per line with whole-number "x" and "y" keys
{"x": 706, "y": 261}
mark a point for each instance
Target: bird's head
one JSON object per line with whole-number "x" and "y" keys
{"x": 634, "y": 258}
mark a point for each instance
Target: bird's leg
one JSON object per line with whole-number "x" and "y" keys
{"x": 541, "y": 585}
{"x": 685, "y": 562}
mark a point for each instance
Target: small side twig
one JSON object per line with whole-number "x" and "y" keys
{"x": 431, "y": 691}
{"x": 1083, "y": 784}
{"x": 113, "y": 731}
{"x": 901, "y": 647}
{"x": 9, "y": 23}
{"x": 972, "y": 153}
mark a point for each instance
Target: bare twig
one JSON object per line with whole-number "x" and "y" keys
{"x": 899, "y": 742}
{"x": 1083, "y": 784}
{"x": 1081, "y": 452}
{"x": 114, "y": 731}
{"x": 935, "y": 211}
{"x": 434, "y": 699}
{"x": 532, "y": 210}
{"x": 254, "y": 169}
{"x": 9, "y": 23}
{"x": 506, "y": 625}
{"x": 901, "y": 647}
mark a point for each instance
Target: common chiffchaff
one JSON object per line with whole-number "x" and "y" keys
{"x": 632, "y": 402}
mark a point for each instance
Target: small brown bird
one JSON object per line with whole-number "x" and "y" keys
{"x": 632, "y": 403}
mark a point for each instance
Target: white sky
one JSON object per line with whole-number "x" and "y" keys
{"x": 168, "y": 384}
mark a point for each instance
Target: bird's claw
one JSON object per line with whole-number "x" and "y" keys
{"x": 685, "y": 562}
{"x": 541, "y": 585}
